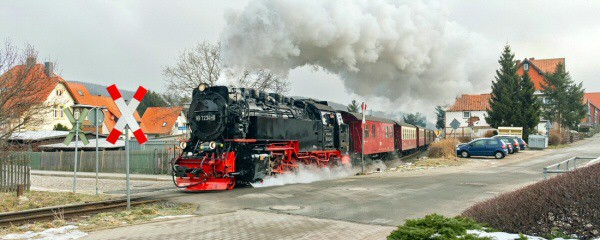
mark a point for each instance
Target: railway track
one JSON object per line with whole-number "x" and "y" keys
{"x": 69, "y": 211}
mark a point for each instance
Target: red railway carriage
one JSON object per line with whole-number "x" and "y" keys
{"x": 378, "y": 132}
{"x": 405, "y": 137}
{"x": 421, "y": 137}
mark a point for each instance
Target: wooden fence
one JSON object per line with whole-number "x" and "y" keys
{"x": 142, "y": 161}
{"x": 14, "y": 171}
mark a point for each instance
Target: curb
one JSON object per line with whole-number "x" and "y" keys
{"x": 157, "y": 179}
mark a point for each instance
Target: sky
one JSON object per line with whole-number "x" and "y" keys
{"x": 130, "y": 42}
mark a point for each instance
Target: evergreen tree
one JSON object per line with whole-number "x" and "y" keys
{"x": 530, "y": 106}
{"x": 152, "y": 99}
{"x": 441, "y": 117}
{"x": 353, "y": 107}
{"x": 565, "y": 104}
{"x": 504, "y": 106}
{"x": 415, "y": 119}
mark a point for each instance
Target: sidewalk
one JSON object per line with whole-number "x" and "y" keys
{"x": 112, "y": 176}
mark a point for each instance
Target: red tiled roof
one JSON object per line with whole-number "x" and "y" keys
{"x": 36, "y": 85}
{"x": 466, "y": 102}
{"x": 81, "y": 95}
{"x": 594, "y": 98}
{"x": 155, "y": 117}
{"x": 547, "y": 65}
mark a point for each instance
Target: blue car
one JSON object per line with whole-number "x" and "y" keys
{"x": 483, "y": 147}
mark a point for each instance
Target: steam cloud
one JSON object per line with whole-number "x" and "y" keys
{"x": 306, "y": 174}
{"x": 405, "y": 51}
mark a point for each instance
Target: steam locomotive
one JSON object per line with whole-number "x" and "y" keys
{"x": 243, "y": 135}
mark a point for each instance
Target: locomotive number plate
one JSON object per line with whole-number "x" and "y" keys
{"x": 211, "y": 117}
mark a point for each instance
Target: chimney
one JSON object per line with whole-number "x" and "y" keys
{"x": 30, "y": 62}
{"x": 49, "y": 69}
{"x": 531, "y": 58}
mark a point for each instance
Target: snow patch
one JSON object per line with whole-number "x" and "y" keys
{"x": 61, "y": 233}
{"x": 173, "y": 217}
{"x": 505, "y": 236}
{"x": 305, "y": 174}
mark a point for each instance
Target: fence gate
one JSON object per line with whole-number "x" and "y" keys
{"x": 14, "y": 171}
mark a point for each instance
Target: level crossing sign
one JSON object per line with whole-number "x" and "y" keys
{"x": 127, "y": 118}
{"x": 77, "y": 126}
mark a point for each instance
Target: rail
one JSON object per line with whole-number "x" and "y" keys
{"x": 564, "y": 166}
{"x": 68, "y": 211}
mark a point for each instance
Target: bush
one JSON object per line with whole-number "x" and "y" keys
{"x": 445, "y": 148}
{"x": 558, "y": 137}
{"x": 465, "y": 139}
{"x": 436, "y": 227}
{"x": 566, "y": 204}
{"x": 60, "y": 127}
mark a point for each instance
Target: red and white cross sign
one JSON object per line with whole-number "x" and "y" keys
{"x": 126, "y": 114}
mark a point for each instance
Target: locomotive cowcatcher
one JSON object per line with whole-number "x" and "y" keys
{"x": 243, "y": 135}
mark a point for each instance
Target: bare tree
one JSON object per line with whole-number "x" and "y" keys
{"x": 202, "y": 64}
{"x": 264, "y": 80}
{"x": 23, "y": 91}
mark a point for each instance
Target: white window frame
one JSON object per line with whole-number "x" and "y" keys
{"x": 468, "y": 113}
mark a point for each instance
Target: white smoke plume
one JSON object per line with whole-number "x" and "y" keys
{"x": 306, "y": 174}
{"x": 405, "y": 51}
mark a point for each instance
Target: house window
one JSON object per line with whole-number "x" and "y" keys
{"x": 55, "y": 111}
{"x": 526, "y": 66}
{"x": 164, "y": 124}
{"x": 466, "y": 114}
{"x": 80, "y": 93}
{"x": 62, "y": 112}
{"x": 59, "y": 92}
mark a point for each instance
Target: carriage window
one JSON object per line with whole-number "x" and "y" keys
{"x": 366, "y": 131}
{"x": 373, "y": 126}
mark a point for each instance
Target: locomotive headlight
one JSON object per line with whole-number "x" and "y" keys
{"x": 202, "y": 87}
{"x": 213, "y": 145}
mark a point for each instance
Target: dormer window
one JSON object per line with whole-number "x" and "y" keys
{"x": 164, "y": 124}
{"x": 80, "y": 93}
{"x": 526, "y": 66}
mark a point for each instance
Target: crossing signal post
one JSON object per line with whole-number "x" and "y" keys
{"x": 125, "y": 123}
{"x": 76, "y": 132}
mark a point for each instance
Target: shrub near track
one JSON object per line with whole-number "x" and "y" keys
{"x": 445, "y": 148}
{"x": 564, "y": 205}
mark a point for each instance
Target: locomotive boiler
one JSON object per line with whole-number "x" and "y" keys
{"x": 241, "y": 135}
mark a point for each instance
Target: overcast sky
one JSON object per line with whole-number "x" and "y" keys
{"x": 130, "y": 42}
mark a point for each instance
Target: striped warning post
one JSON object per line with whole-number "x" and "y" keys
{"x": 127, "y": 118}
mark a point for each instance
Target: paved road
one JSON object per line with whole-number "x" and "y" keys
{"x": 387, "y": 199}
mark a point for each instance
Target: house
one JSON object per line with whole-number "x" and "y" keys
{"x": 34, "y": 91}
{"x": 470, "y": 111}
{"x": 537, "y": 68}
{"x": 592, "y": 100}
{"x": 163, "y": 121}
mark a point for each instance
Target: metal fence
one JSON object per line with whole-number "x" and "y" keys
{"x": 565, "y": 166}
{"x": 14, "y": 172}
{"x": 142, "y": 161}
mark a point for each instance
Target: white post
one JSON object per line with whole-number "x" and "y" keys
{"x": 75, "y": 164}
{"x": 96, "y": 123}
{"x": 127, "y": 166}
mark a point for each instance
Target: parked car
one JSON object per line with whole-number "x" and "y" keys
{"x": 512, "y": 139}
{"x": 483, "y": 147}
{"x": 522, "y": 143}
{"x": 511, "y": 149}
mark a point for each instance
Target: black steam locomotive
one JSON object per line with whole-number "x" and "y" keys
{"x": 243, "y": 135}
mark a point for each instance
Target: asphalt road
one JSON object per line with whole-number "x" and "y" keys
{"x": 356, "y": 207}
{"x": 390, "y": 198}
